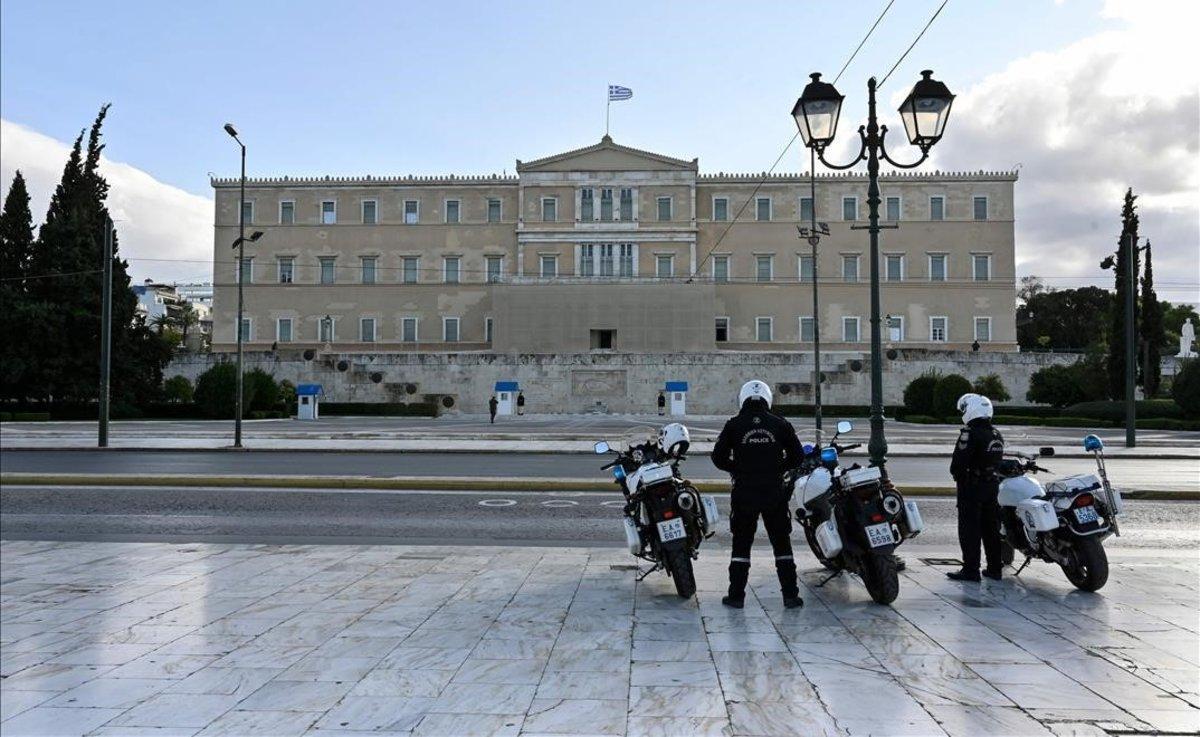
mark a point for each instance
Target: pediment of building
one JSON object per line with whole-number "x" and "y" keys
{"x": 606, "y": 156}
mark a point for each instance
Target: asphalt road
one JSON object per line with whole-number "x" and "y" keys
{"x": 412, "y": 517}
{"x": 1125, "y": 473}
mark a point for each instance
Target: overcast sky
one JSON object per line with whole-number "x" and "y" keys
{"x": 1086, "y": 97}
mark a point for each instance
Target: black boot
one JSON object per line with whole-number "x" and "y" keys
{"x": 792, "y": 602}
{"x": 992, "y": 573}
{"x": 734, "y": 602}
{"x": 964, "y": 575}
{"x": 739, "y": 575}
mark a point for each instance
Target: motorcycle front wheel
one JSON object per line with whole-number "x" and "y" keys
{"x": 815, "y": 547}
{"x": 880, "y": 577}
{"x": 682, "y": 574}
{"x": 1089, "y": 572}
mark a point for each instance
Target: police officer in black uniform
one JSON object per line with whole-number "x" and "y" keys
{"x": 979, "y": 448}
{"x": 756, "y": 448}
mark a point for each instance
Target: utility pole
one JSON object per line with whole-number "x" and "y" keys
{"x": 1130, "y": 342}
{"x": 105, "y": 333}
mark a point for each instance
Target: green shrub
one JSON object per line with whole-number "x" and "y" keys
{"x": 261, "y": 392}
{"x": 918, "y": 395}
{"x": 1185, "y": 390}
{"x": 1114, "y": 411}
{"x": 1081, "y": 422}
{"x": 923, "y": 420}
{"x": 1165, "y": 423}
{"x": 832, "y": 410}
{"x": 172, "y": 411}
{"x": 379, "y": 409}
{"x": 26, "y": 416}
{"x": 177, "y": 389}
{"x": 1028, "y": 410}
{"x": 946, "y": 393}
{"x": 287, "y": 397}
{"x": 992, "y": 387}
{"x": 216, "y": 391}
{"x": 1055, "y": 385}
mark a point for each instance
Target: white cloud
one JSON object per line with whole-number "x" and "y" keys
{"x": 1114, "y": 110}
{"x": 154, "y": 220}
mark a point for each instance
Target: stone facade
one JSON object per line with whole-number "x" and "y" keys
{"x": 615, "y": 250}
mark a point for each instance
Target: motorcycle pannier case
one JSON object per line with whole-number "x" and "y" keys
{"x": 1090, "y": 483}
{"x": 829, "y": 539}
{"x": 711, "y": 515}
{"x": 1037, "y": 514}
{"x": 861, "y": 476}
{"x": 912, "y": 518}
{"x": 632, "y": 539}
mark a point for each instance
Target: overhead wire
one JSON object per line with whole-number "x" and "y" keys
{"x": 913, "y": 44}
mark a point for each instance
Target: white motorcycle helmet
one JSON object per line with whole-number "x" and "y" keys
{"x": 674, "y": 439}
{"x": 974, "y": 406}
{"x": 754, "y": 389}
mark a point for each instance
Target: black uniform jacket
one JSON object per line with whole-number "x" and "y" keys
{"x": 979, "y": 448}
{"x": 756, "y": 447}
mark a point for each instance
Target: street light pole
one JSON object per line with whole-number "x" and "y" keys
{"x": 877, "y": 445}
{"x": 105, "y": 335}
{"x": 1130, "y": 342}
{"x": 814, "y": 238}
{"x": 241, "y": 242}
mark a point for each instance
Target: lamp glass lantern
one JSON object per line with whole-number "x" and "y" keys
{"x": 817, "y": 111}
{"x": 926, "y": 110}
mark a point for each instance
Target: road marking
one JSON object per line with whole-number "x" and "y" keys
{"x": 613, "y": 503}
{"x": 560, "y": 503}
{"x": 497, "y": 502}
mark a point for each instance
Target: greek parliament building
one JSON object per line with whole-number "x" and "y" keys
{"x": 609, "y": 251}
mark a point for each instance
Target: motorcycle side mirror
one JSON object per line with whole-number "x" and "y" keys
{"x": 1046, "y": 452}
{"x": 601, "y": 448}
{"x": 844, "y": 427}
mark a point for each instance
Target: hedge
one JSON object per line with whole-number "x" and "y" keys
{"x": 24, "y": 416}
{"x": 1026, "y": 410}
{"x": 1114, "y": 411}
{"x": 377, "y": 409}
{"x": 833, "y": 410}
{"x": 1084, "y": 422}
{"x": 1166, "y": 423}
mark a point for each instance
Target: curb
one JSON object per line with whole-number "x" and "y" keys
{"x": 432, "y": 483}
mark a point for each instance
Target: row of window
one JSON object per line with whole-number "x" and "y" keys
{"x": 613, "y": 260}
{"x": 368, "y": 330}
{"x": 939, "y": 329}
{"x": 606, "y": 211}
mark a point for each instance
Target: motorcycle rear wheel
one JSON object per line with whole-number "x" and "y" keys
{"x": 880, "y": 577}
{"x": 1090, "y": 569}
{"x": 682, "y": 574}
{"x": 815, "y": 547}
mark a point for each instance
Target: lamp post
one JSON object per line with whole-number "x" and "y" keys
{"x": 813, "y": 234}
{"x": 239, "y": 244}
{"x": 1131, "y": 250}
{"x": 924, "y": 112}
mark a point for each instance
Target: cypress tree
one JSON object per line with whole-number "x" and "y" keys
{"x": 1154, "y": 334}
{"x": 16, "y": 248}
{"x": 1116, "y": 335}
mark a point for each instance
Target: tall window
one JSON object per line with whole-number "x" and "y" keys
{"x": 937, "y": 267}
{"x": 326, "y": 330}
{"x": 849, "y": 208}
{"x": 938, "y": 328}
{"x": 806, "y": 330}
{"x": 983, "y": 329}
{"x": 587, "y": 260}
{"x": 287, "y": 212}
{"x": 247, "y": 212}
{"x": 451, "y": 269}
{"x": 246, "y": 273}
{"x": 283, "y": 330}
{"x": 762, "y": 211}
{"x": 328, "y": 269}
{"x": 763, "y": 329}
{"x": 495, "y": 267}
{"x": 892, "y": 206}
{"x": 369, "y": 212}
{"x": 895, "y": 328}
{"x": 549, "y": 209}
{"x": 408, "y": 329}
{"x": 493, "y": 210}
{"x": 720, "y": 268}
{"x": 366, "y": 330}
{"x": 664, "y": 209}
{"x": 408, "y": 269}
{"x": 806, "y": 209}
{"x": 450, "y": 329}
{"x": 894, "y": 267}
{"x": 981, "y": 208}
{"x": 850, "y": 330}
{"x": 287, "y": 269}
{"x": 606, "y": 259}
{"x": 665, "y": 267}
{"x": 587, "y": 205}
{"x": 245, "y": 329}
{"x": 625, "y": 267}
{"x": 606, "y": 204}
{"x": 368, "y": 269}
{"x": 849, "y": 268}
{"x": 982, "y": 266}
{"x": 764, "y": 268}
{"x": 722, "y": 330}
{"x": 549, "y": 266}
{"x": 721, "y": 208}
{"x": 412, "y": 212}
{"x": 328, "y": 212}
{"x": 627, "y": 204}
{"x": 452, "y": 208}
{"x": 937, "y": 208}
{"x": 806, "y": 268}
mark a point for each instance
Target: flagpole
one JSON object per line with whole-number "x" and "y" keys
{"x": 607, "y": 108}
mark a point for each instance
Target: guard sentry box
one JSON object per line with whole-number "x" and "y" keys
{"x": 677, "y": 395}
{"x": 308, "y": 402}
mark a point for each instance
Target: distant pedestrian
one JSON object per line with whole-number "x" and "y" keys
{"x": 662, "y": 404}
{"x": 520, "y": 403}
{"x": 492, "y": 405}
{"x": 975, "y": 346}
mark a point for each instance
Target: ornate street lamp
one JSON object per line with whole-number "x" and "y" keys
{"x": 924, "y": 112}
{"x": 240, "y": 245}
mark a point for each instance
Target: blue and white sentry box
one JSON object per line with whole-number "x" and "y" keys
{"x": 677, "y": 392}
{"x": 506, "y": 396}
{"x": 308, "y": 398}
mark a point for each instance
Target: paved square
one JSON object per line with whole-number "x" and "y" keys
{"x": 207, "y": 639}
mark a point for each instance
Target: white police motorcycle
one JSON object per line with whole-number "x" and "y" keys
{"x": 1065, "y": 522}
{"x": 665, "y": 516}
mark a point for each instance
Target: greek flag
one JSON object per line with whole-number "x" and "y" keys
{"x": 617, "y": 92}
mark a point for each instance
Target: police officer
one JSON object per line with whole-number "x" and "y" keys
{"x": 979, "y": 448}
{"x": 756, "y": 448}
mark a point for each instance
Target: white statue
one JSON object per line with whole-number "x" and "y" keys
{"x": 1187, "y": 336}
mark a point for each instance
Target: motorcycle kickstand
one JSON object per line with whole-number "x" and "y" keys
{"x": 830, "y": 577}
{"x": 1027, "y": 559}
{"x": 642, "y": 575}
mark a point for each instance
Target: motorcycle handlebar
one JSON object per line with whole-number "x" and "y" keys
{"x": 852, "y": 446}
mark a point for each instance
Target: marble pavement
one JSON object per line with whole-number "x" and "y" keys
{"x": 211, "y": 639}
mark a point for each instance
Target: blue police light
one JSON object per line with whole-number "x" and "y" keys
{"x": 829, "y": 455}
{"x": 808, "y": 449}
{"x": 1092, "y": 442}
{"x": 618, "y": 473}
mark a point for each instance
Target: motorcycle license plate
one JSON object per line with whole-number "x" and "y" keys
{"x": 1086, "y": 514}
{"x": 880, "y": 534}
{"x": 671, "y": 529}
